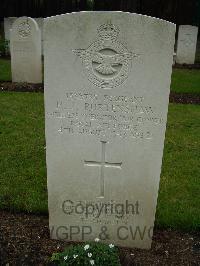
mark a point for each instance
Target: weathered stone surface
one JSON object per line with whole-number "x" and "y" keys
{"x": 187, "y": 42}
{"x": 106, "y": 101}
{"x": 25, "y": 45}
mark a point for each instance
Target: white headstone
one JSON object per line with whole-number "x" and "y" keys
{"x": 8, "y": 22}
{"x": 187, "y": 42}
{"x": 106, "y": 98}
{"x": 40, "y": 22}
{"x": 25, "y": 45}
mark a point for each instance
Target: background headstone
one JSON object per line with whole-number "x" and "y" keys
{"x": 187, "y": 42}
{"x": 8, "y": 22}
{"x": 25, "y": 45}
{"x": 106, "y": 102}
{"x": 40, "y": 22}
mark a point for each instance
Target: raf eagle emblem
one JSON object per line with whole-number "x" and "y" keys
{"x": 106, "y": 62}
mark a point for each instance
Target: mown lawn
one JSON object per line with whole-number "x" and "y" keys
{"x": 183, "y": 80}
{"x": 23, "y": 171}
{"x": 186, "y": 81}
{"x": 22, "y": 154}
{"x": 179, "y": 195}
{"x": 5, "y": 70}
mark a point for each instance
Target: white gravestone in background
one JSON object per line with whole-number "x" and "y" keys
{"x": 187, "y": 42}
{"x": 40, "y": 22}
{"x": 8, "y": 22}
{"x": 106, "y": 102}
{"x": 25, "y": 45}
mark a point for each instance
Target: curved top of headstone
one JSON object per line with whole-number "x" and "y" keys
{"x": 96, "y": 13}
{"x": 24, "y": 27}
{"x": 143, "y": 23}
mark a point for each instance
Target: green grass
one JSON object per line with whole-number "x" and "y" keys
{"x": 23, "y": 171}
{"x": 5, "y": 70}
{"x": 179, "y": 195}
{"x": 22, "y": 154}
{"x": 183, "y": 80}
{"x": 186, "y": 81}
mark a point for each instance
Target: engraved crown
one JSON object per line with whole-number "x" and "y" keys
{"x": 108, "y": 31}
{"x": 24, "y": 29}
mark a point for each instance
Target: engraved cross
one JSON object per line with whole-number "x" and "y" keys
{"x": 102, "y": 166}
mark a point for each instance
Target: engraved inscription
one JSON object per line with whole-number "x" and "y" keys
{"x": 105, "y": 116}
{"x": 187, "y": 40}
{"x": 106, "y": 62}
{"x": 102, "y": 166}
{"x": 22, "y": 46}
